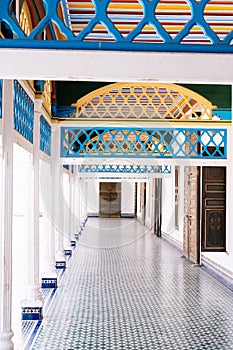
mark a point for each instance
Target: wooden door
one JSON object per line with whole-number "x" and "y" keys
{"x": 157, "y": 210}
{"x": 143, "y": 201}
{"x": 191, "y": 242}
{"x": 177, "y": 199}
{"x": 214, "y": 209}
{"x": 110, "y": 199}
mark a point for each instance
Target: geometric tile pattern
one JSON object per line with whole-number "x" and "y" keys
{"x": 23, "y": 112}
{"x": 143, "y": 143}
{"x": 161, "y": 25}
{"x": 126, "y": 289}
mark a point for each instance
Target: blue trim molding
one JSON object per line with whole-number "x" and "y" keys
{"x": 23, "y": 112}
{"x": 197, "y": 27}
{"x": 126, "y": 142}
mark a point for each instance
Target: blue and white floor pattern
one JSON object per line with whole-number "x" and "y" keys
{"x": 126, "y": 289}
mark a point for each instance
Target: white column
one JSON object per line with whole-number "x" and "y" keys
{"x": 66, "y": 212}
{"x": 49, "y": 277}
{"x": 77, "y": 205}
{"x": 57, "y": 196}
{"x": 33, "y": 294}
{"x": 6, "y": 214}
{"x": 72, "y": 207}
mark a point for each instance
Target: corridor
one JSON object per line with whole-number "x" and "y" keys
{"x": 124, "y": 288}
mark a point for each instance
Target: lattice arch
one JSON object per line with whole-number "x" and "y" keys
{"x": 143, "y": 101}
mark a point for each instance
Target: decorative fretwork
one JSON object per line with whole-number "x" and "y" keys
{"x": 23, "y": 112}
{"x": 148, "y": 143}
{"x": 124, "y": 168}
{"x": 0, "y": 98}
{"x": 25, "y": 19}
{"x": 143, "y": 101}
{"x": 45, "y": 136}
{"x": 140, "y": 25}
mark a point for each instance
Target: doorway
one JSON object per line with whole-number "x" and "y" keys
{"x": 110, "y": 199}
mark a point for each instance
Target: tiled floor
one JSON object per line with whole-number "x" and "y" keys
{"x": 126, "y": 289}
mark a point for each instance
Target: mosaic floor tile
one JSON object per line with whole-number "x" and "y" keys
{"x": 126, "y": 289}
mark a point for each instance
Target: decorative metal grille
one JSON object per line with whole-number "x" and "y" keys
{"x": 23, "y": 112}
{"x": 45, "y": 136}
{"x": 141, "y": 25}
{"x": 143, "y": 101}
{"x": 1, "y": 98}
{"x": 149, "y": 143}
{"x": 124, "y": 168}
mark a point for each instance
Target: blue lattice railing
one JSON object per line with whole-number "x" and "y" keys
{"x": 23, "y": 112}
{"x": 142, "y": 25}
{"x": 124, "y": 168}
{"x": 147, "y": 143}
{"x": 0, "y": 98}
{"x": 45, "y": 136}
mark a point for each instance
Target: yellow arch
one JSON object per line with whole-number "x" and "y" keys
{"x": 140, "y": 101}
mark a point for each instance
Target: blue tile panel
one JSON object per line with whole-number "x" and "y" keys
{"x": 122, "y": 168}
{"x": 193, "y": 26}
{"x": 126, "y": 289}
{"x": 145, "y": 143}
{"x": 45, "y": 136}
{"x": 49, "y": 283}
{"x": 31, "y": 313}
{"x": 23, "y": 112}
{"x": 1, "y": 98}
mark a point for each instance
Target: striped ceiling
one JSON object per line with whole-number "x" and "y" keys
{"x": 151, "y": 21}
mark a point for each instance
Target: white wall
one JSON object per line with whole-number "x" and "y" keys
{"x": 93, "y": 197}
{"x": 127, "y": 198}
{"x": 168, "y": 204}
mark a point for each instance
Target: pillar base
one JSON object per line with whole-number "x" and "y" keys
{"x": 31, "y": 313}
{"x": 49, "y": 282}
{"x": 5, "y": 341}
{"x": 60, "y": 265}
{"x": 68, "y": 252}
{"x": 73, "y": 243}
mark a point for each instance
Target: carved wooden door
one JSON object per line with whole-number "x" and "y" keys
{"x": 214, "y": 209}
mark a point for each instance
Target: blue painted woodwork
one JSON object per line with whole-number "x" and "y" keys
{"x": 23, "y": 112}
{"x": 1, "y": 98}
{"x": 143, "y": 143}
{"x": 222, "y": 113}
{"x": 63, "y": 112}
{"x": 45, "y": 136}
{"x": 214, "y": 42}
{"x": 122, "y": 168}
